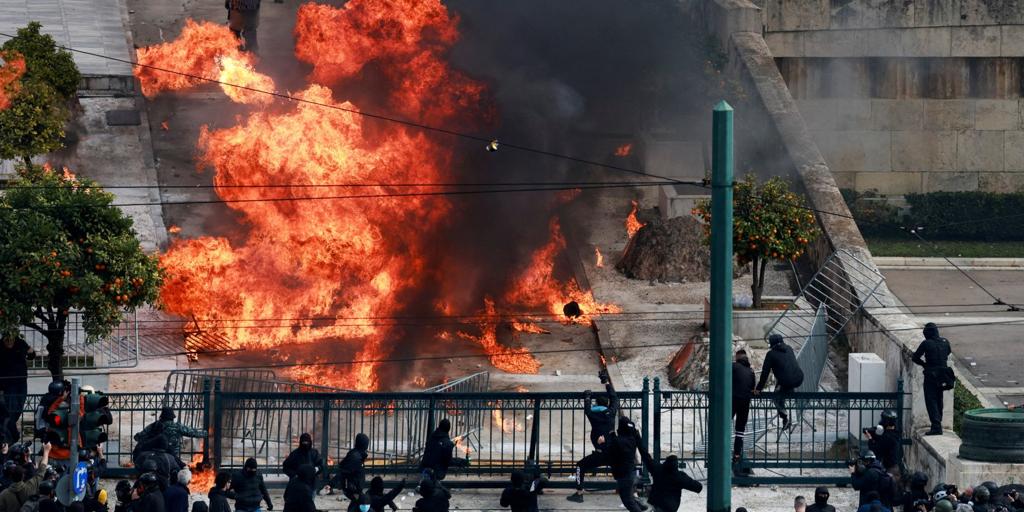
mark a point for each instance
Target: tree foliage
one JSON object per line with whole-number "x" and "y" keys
{"x": 33, "y": 122}
{"x": 769, "y": 223}
{"x": 64, "y": 248}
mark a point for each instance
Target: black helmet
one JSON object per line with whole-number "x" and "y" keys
{"x": 868, "y": 455}
{"x": 149, "y": 466}
{"x": 55, "y": 388}
{"x": 45, "y": 488}
{"x": 148, "y": 478}
{"x": 774, "y": 339}
{"x": 982, "y": 494}
{"x": 919, "y": 479}
{"x": 888, "y": 418}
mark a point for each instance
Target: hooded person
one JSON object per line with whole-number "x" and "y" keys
{"x": 350, "y": 477}
{"x": 379, "y": 500}
{"x": 219, "y": 493}
{"x": 781, "y": 362}
{"x": 431, "y": 498}
{"x": 667, "y": 482}
{"x": 872, "y": 479}
{"x": 820, "y": 504}
{"x": 151, "y": 498}
{"x": 304, "y": 454}
{"x": 622, "y": 454}
{"x": 437, "y": 454}
{"x": 249, "y": 488}
{"x": 743, "y": 382}
{"x": 917, "y": 491}
{"x": 521, "y": 494}
{"x": 298, "y": 496}
{"x": 601, "y": 414}
{"x": 171, "y": 431}
{"x": 933, "y": 355}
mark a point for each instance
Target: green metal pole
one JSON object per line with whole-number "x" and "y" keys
{"x": 719, "y": 463}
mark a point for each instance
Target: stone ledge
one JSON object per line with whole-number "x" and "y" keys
{"x": 981, "y": 263}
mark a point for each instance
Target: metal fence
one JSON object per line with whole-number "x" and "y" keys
{"x": 497, "y": 432}
{"x": 825, "y": 434}
{"x": 813, "y": 353}
{"x": 118, "y": 350}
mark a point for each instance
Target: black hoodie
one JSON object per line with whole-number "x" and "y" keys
{"x": 622, "y": 448}
{"x": 437, "y": 454}
{"x": 668, "y": 482}
{"x": 781, "y": 361}
{"x": 432, "y": 500}
{"x": 298, "y": 496}
{"x": 304, "y": 454}
{"x": 519, "y": 496}
{"x": 820, "y": 504}
{"x": 351, "y": 477}
{"x": 742, "y": 380}
{"x": 380, "y": 499}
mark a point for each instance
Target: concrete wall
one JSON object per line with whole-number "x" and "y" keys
{"x": 908, "y": 96}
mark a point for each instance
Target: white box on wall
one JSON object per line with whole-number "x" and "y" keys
{"x": 866, "y": 375}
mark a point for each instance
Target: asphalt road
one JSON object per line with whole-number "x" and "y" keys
{"x": 994, "y": 354}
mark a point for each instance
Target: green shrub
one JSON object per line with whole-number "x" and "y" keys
{"x": 949, "y": 215}
{"x": 963, "y": 401}
{"x": 875, "y": 216}
{"x": 44, "y": 61}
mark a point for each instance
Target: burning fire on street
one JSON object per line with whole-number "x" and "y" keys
{"x": 313, "y": 268}
{"x": 632, "y": 223}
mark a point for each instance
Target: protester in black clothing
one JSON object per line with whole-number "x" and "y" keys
{"x": 350, "y": 476}
{"x": 601, "y": 416}
{"x": 148, "y": 496}
{"x": 432, "y": 499}
{"x": 869, "y": 476}
{"x": 916, "y": 492}
{"x": 884, "y": 440}
{"x": 622, "y": 446}
{"x": 219, "y": 493}
{"x": 743, "y": 382}
{"x": 820, "y": 504}
{"x": 437, "y": 454}
{"x": 298, "y": 496}
{"x": 304, "y": 454}
{"x": 932, "y": 354}
{"x": 379, "y": 500}
{"x": 249, "y": 488}
{"x": 123, "y": 495}
{"x": 780, "y": 361}
{"x": 667, "y": 482}
{"x": 14, "y": 356}
{"x": 521, "y": 495}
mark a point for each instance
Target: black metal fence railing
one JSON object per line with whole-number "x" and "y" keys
{"x": 497, "y": 432}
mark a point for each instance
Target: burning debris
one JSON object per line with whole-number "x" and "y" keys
{"x": 599, "y": 262}
{"x": 671, "y": 250}
{"x": 632, "y": 223}
{"x": 624, "y": 150}
{"x": 10, "y": 77}
{"x": 341, "y": 271}
{"x": 492, "y": 146}
{"x": 572, "y": 310}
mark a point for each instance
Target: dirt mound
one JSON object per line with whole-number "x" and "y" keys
{"x": 667, "y": 251}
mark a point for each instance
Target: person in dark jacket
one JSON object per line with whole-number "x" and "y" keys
{"x": 219, "y": 493}
{"x": 933, "y": 354}
{"x": 520, "y": 495}
{"x": 874, "y": 504}
{"x": 244, "y": 20}
{"x": 350, "y": 476}
{"x": 667, "y": 482}
{"x": 148, "y": 494}
{"x": 379, "y": 500}
{"x": 14, "y": 356}
{"x": 304, "y": 454}
{"x": 820, "y": 504}
{"x": 601, "y": 416}
{"x": 249, "y": 488}
{"x": 622, "y": 447}
{"x": 298, "y": 496}
{"x": 868, "y": 476}
{"x": 437, "y": 454}
{"x": 171, "y": 431}
{"x": 781, "y": 362}
{"x": 917, "y": 492}
{"x": 884, "y": 440}
{"x": 432, "y": 499}
{"x": 743, "y": 382}
{"x": 123, "y": 495}
{"x": 176, "y": 494}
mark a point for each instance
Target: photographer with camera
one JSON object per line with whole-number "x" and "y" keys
{"x": 884, "y": 440}
{"x": 868, "y": 476}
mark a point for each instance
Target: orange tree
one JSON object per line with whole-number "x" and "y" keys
{"x": 64, "y": 247}
{"x": 769, "y": 223}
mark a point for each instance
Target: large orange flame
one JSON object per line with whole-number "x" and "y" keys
{"x": 196, "y": 54}
{"x": 632, "y": 223}
{"x": 10, "y": 77}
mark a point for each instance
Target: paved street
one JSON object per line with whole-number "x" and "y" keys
{"x": 994, "y": 354}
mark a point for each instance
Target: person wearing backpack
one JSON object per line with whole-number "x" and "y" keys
{"x": 869, "y": 477}
{"x": 932, "y": 355}
{"x": 780, "y": 361}
{"x": 874, "y": 504}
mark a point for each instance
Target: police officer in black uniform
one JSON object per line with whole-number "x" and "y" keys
{"x": 933, "y": 354}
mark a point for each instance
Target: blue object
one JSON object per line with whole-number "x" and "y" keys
{"x": 80, "y": 478}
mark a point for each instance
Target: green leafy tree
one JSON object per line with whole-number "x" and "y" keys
{"x": 64, "y": 248}
{"x": 34, "y": 122}
{"x": 769, "y": 223}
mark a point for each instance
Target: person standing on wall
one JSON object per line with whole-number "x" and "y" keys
{"x": 932, "y": 354}
{"x": 14, "y": 356}
{"x": 243, "y": 20}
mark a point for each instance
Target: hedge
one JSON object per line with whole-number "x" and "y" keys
{"x": 968, "y": 216}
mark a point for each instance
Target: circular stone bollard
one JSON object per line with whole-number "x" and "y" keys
{"x": 993, "y": 435}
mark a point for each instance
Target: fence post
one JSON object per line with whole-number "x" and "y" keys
{"x": 218, "y": 424}
{"x": 656, "y": 441}
{"x": 325, "y": 429}
{"x": 535, "y": 434}
{"x": 206, "y": 420}
{"x": 899, "y": 421}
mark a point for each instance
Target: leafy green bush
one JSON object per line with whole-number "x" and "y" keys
{"x": 963, "y": 401}
{"x": 952, "y": 215}
{"x": 44, "y": 61}
{"x": 33, "y": 124}
{"x": 875, "y": 216}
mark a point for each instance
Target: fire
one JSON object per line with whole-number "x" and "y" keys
{"x": 632, "y": 224}
{"x": 202, "y": 476}
{"x": 507, "y": 425}
{"x": 624, "y": 150}
{"x": 165, "y": 126}
{"x": 528, "y": 328}
{"x": 174, "y": 230}
{"x": 10, "y": 77}
{"x": 462, "y": 443}
{"x": 197, "y": 53}
{"x": 599, "y": 262}
{"x": 419, "y": 382}
{"x": 330, "y": 266}
{"x": 236, "y": 71}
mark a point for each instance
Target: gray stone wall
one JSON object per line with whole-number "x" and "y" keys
{"x": 920, "y": 145}
{"x": 790, "y": 15}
